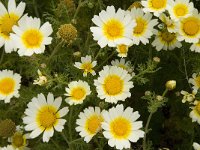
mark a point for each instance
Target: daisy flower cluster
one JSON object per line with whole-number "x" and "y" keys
{"x": 171, "y": 22}
{"x": 21, "y": 33}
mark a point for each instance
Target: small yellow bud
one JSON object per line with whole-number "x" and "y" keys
{"x": 102, "y": 105}
{"x": 43, "y": 65}
{"x": 156, "y": 59}
{"x": 77, "y": 54}
{"x": 136, "y": 4}
{"x": 147, "y": 93}
{"x": 171, "y": 84}
{"x": 159, "y": 97}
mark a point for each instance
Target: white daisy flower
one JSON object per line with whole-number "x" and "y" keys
{"x": 8, "y": 147}
{"x": 196, "y": 146}
{"x": 30, "y": 37}
{"x": 123, "y": 64}
{"x": 9, "y": 85}
{"x": 188, "y": 97}
{"x": 189, "y": 28}
{"x": 144, "y": 28}
{"x": 180, "y": 8}
{"x": 170, "y": 24}
{"x": 195, "y": 47}
{"x": 89, "y": 123}
{"x": 113, "y": 84}
{"x": 195, "y": 113}
{"x": 155, "y": 6}
{"x": 195, "y": 81}
{"x": 120, "y": 127}
{"x": 77, "y": 92}
{"x": 165, "y": 40}
{"x": 43, "y": 116}
{"x": 9, "y": 18}
{"x": 122, "y": 50}
{"x": 112, "y": 28}
{"x": 86, "y": 65}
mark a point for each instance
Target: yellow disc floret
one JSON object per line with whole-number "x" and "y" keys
{"x": 113, "y": 85}
{"x": 7, "y": 86}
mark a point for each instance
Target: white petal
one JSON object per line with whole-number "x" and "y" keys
{"x": 63, "y": 111}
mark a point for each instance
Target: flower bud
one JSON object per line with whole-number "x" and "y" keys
{"x": 171, "y": 84}
{"x": 67, "y": 32}
{"x": 136, "y": 4}
{"x": 159, "y": 97}
{"x": 147, "y": 93}
{"x": 77, "y": 54}
{"x": 7, "y": 128}
{"x": 156, "y": 59}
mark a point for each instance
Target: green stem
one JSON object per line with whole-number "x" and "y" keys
{"x": 65, "y": 138}
{"x": 2, "y": 56}
{"x": 86, "y": 47}
{"x": 144, "y": 144}
{"x": 145, "y": 72}
{"x": 70, "y": 123}
{"x": 80, "y": 4}
{"x": 56, "y": 49}
{"x": 57, "y": 146}
{"x": 74, "y": 141}
{"x": 146, "y": 131}
{"x": 150, "y": 52}
{"x": 111, "y": 55}
{"x": 185, "y": 67}
{"x": 165, "y": 92}
{"x": 99, "y": 52}
{"x": 35, "y": 8}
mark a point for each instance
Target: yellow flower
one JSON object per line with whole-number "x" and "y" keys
{"x": 43, "y": 116}
{"x": 120, "y": 127}
{"x": 89, "y": 123}
{"x": 112, "y": 28}
{"x": 113, "y": 84}
{"x": 7, "y": 20}
{"x": 86, "y": 65}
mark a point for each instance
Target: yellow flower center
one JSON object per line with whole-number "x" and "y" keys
{"x": 123, "y": 67}
{"x": 78, "y": 93}
{"x": 113, "y": 85}
{"x": 18, "y": 140}
{"x": 32, "y": 38}
{"x": 93, "y": 124}
{"x": 197, "y": 81}
{"x": 198, "y": 108}
{"x": 167, "y": 36}
{"x": 141, "y": 24}
{"x": 87, "y": 66}
{"x": 113, "y": 29}
{"x": 120, "y": 128}
{"x": 7, "y": 86}
{"x": 123, "y": 49}
{"x": 6, "y": 23}
{"x": 158, "y": 4}
{"x": 47, "y": 117}
{"x": 180, "y": 10}
{"x": 191, "y": 26}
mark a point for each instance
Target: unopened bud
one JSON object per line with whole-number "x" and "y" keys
{"x": 171, "y": 84}
{"x": 159, "y": 97}
{"x": 156, "y": 59}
